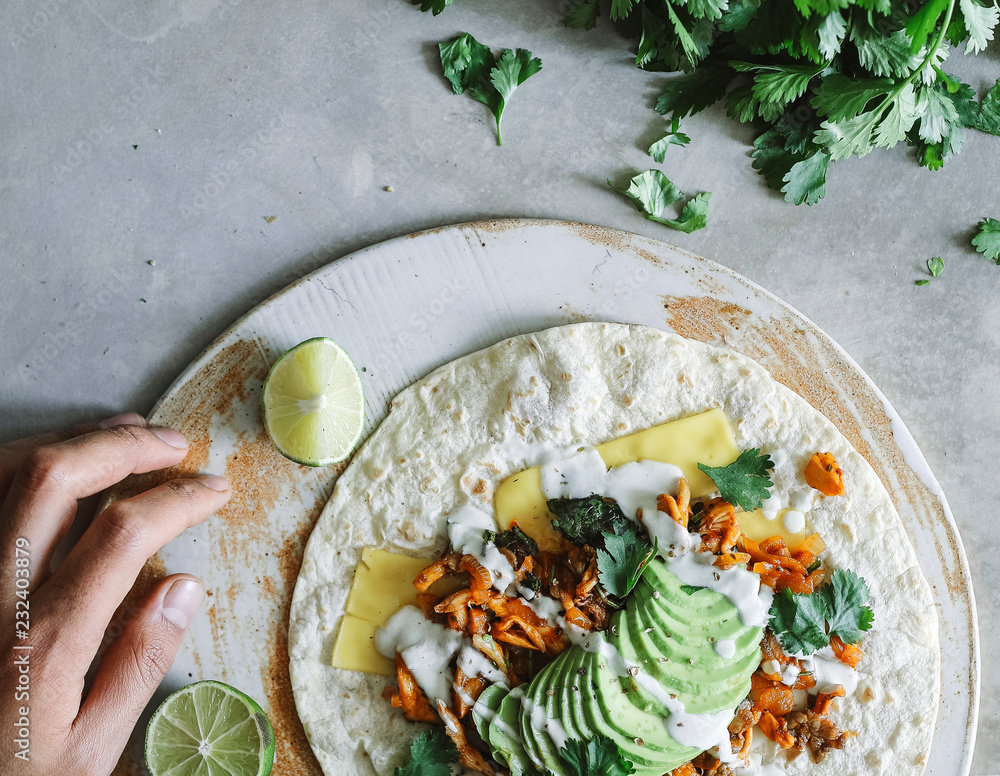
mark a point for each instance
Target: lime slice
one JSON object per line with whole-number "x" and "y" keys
{"x": 314, "y": 409}
{"x": 209, "y": 729}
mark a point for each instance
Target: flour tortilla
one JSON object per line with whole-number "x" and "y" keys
{"x": 452, "y": 437}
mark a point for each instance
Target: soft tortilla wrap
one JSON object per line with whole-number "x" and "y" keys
{"x": 453, "y": 436}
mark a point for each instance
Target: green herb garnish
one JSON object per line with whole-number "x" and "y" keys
{"x": 598, "y": 755}
{"x": 652, "y": 192}
{"x": 513, "y": 539}
{"x": 470, "y": 66}
{"x": 621, "y": 563}
{"x": 585, "y": 520}
{"x": 744, "y": 482}
{"x": 659, "y": 149}
{"x": 431, "y": 754}
{"x": 805, "y": 623}
{"x": 987, "y": 239}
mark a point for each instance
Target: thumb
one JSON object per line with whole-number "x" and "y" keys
{"x": 135, "y": 664}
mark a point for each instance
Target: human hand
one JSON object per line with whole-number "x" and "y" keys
{"x": 53, "y": 622}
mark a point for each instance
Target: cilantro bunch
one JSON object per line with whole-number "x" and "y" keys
{"x": 823, "y": 80}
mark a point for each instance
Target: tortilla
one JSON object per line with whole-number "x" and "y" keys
{"x": 453, "y": 436}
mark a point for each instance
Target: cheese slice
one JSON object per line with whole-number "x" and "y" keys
{"x": 706, "y": 438}
{"x": 382, "y": 585}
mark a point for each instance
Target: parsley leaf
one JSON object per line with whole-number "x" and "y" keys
{"x": 805, "y": 623}
{"x": 584, "y": 520}
{"x": 598, "y": 755}
{"x": 431, "y": 754}
{"x": 744, "y": 482}
{"x": 846, "y": 614}
{"x": 987, "y": 239}
{"x": 470, "y": 66}
{"x": 659, "y": 149}
{"x": 621, "y": 563}
{"x": 935, "y": 266}
{"x": 805, "y": 181}
{"x": 652, "y": 192}
{"x": 512, "y": 70}
{"x": 988, "y": 119}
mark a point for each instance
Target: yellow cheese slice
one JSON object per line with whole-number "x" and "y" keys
{"x": 382, "y": 585}
{"x": 756, "y": 527}
{"x": 706, "y": 438}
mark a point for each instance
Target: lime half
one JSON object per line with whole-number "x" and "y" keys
{"x": 314, "y": 409}
{"x": 209, "y": 729}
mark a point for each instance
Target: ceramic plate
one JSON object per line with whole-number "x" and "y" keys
{"x": 406, "y": 306}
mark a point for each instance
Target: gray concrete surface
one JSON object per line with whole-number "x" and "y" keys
{"x": 240, "y": 144}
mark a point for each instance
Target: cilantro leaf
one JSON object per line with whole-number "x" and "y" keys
{"x": 923, "y": 22}
{"x": 598, "y": 755}
{"x": 988, "y": 119}
{"x": 466, "y": 62}
{"x": 846, "y": 614}
{"x": 799, "y": 622}
{"x": 692, "y": 93}
{"x": 902, "y": 113}
{"x": 691, "y": 589}
{"x": 805, "y": 623}
{"x": 882, "y": 53}
{"x": 805, "y": 180}
{"x": 839, "y": 97}
{"x": 924, "y": 282}
{"x": 987, "y": 239}
{"x": 652, "y": 192}
{"x": 935, "y": 266}
{"x": 437, "y": 6}
{"x": 979, "y": 23}
{"x": 744, "y": 482}
{"x": 582, "y": 15}
{"x": 659, "y": 149}
{"x": 584, "y": 520}
{"x": 848, "y": 138}
{"x": 512, "y": 70}
{"x": 938, "y": 115}
{"x": 431, "y": 754}
{"x": 621, "y": 563}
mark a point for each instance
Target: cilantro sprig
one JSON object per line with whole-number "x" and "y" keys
{"x": 431, "y": 754}
{"x": 804, "y": 623}
{"x": 623, "y": 560}
{"x": 745, "y": 481}
{"x": 598, "y": 755}
{"x": 490, "y": 79}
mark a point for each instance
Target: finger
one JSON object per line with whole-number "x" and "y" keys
{"x": 133, "y": 667}
{"x": 84, "y": 592}
{"x": 42, "y": 499}
{"x": 13, "y": 454}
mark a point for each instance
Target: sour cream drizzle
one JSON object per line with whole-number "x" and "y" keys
{"x": 465, "y": 532}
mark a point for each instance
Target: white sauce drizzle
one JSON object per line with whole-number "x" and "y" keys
{"x": 465, "y": 532}
{"x": 427, "y": 649}
{"x": 829, "y": 672}
{"x": 770, "y": 506}
{"x": 802, "y": 500}
{"x": 740, "y": 586}
{"x": 725, "y": 648}
{"x": 790, "y": 675}
{"x": 794, "y": 521}
{"x": 633, "y": 485}
{"x": 778, "y": 457}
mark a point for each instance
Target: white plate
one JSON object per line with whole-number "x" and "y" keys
{"x": 405, "y": 306}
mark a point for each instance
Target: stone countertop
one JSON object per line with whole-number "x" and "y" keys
{"x": 168, "y": 167}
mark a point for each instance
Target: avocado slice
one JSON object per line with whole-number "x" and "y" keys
{"x": 505, "y": 739}
{"x": 642, "y": 737}
{"x": 538, "y": 727}
{"x": 485, "y": 708}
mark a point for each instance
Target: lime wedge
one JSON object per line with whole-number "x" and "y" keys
{"x": 314, "y": 409}
{"x": 209, "y": 729}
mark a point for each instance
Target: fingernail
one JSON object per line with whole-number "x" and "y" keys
{"x": 182, "y": 600}
{"x": 171, "y": 437}
{"x": 214, "y": 482}
{"x": 126, "y": 419}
